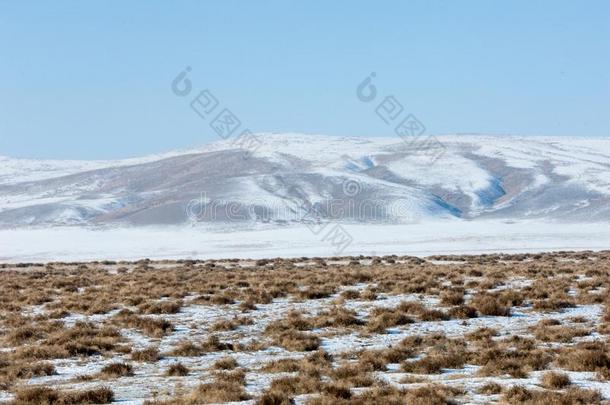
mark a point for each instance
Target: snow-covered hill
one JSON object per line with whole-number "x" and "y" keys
{"x": 281, "y": 178}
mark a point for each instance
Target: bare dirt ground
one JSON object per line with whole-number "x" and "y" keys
{"x": 523, "y": 329}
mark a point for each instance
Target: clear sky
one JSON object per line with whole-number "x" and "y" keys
{"x": 92, "y": 79}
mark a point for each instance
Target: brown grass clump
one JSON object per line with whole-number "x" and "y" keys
{"x": 225, "y": 363}
{"x": 315, "y": 292}
{"x": 161, "y": 307}
{"x": 372, "y": 360}
{"x": 462, "y": 312}
{"x": 564, "y": 334}
{"x": 149, "y": 355}
{"x": 227, "y": 387}
{"x": 282, "y": 366}
{"x": 603, "y": 374}
{"x": 319, "y": 359}
{"x": 514, "y": 358}
{"x": 10, "y": 372}
{"x": 518, "y": 394}
{"x": 387, "y": 395}
{"x": 116, "y": 370}
{"x": 82, "y": 339}
{"x": 490, "y": 389}
{"x": 14, "y": 371}
{"x": 313, "y": 364}
{"x": 24, "y": 334}
{"x": 432, "y": 395}
{"x": 296, "y": 385}
{"x": 153, "y": 327}
{"x": 50, "y": 396}
{"x": 423, "y": 313}
{"x": 577, "y": 396}
{"x": 177, "y": 370}
{"x": 589, "y": 356}
{"x": 293, "y": 320}
{"x": 222, "y": 299}
{"x": 296, "y": 341}
{"x": 337, "y": 390}
{"x": 42, "y": 352}
{"x": 248, "y": 305}
{"x": 454, "y": 297}
{"x": 350, "y": 294}
{"x": 484, "y": 333}
{"x": 336, "y": 317}
{"x": 555, "y": 380}
{"x": 489, "y": 305}
{"x": 451, "y": 356}
{"x": 555, "y": 303}
{"x": 231, "y": 324}
{"x": 187, "y": 348}
{"x": 395, "y": 354}
{"x": 213, "y": 344}
{"x": 217, "y": 391}
{"x": 368, "y": 294}
{"x": 274, "y": 398}
{"x": 503, "y": 366}
{"x": 381, "y": 319}
{"x": 352, "y": 375}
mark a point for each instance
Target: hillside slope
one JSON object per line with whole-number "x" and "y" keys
{"x": 300, "y": 178}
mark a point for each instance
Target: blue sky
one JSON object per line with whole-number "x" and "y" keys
{"x": 92, "y": 79}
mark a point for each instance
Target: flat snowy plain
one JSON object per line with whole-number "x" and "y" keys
{"x": 216, "y": 241}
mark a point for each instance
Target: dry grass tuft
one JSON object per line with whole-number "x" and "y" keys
{"x": 589, "y": 356}
{"x": 489, "y": 305}
{"x": 226, "y": 387}
{"x": 490, "y": 389}
{"x": 296, "y": 385}
{"x": 153, "y": 327}
{"x": 352, "y": 375}
{"x": 225, "y": 363}
{"x": 454, "y": 297}
{"x": 177, "y": 370}
{"x": 380, "y": 319}
{"x": 187, "y": 348}
{"x": 436, "y": 360}
{"x": 426, "y": 395}
{"x": 162, "y": 307}
{"x": 148, "y": 355}
{"x": 50, "y": 396}
{"x": 115, "y": 370}
{"x": 274, "y": 398}
{"x": 296, "y": 341}
{"x": 577, "y": 396}
{"x": 555, "y": 380}
{"x": 217, "y": 392}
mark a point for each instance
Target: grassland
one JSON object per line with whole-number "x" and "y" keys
{"x": 524, "y": 329}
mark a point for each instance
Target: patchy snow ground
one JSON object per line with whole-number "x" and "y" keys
{"x": 194, "y": 320}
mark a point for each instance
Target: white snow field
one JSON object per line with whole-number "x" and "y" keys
{"x": 265, "y": 241}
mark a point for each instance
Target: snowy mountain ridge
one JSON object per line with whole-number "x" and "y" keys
{"x": 280, "y": 178}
